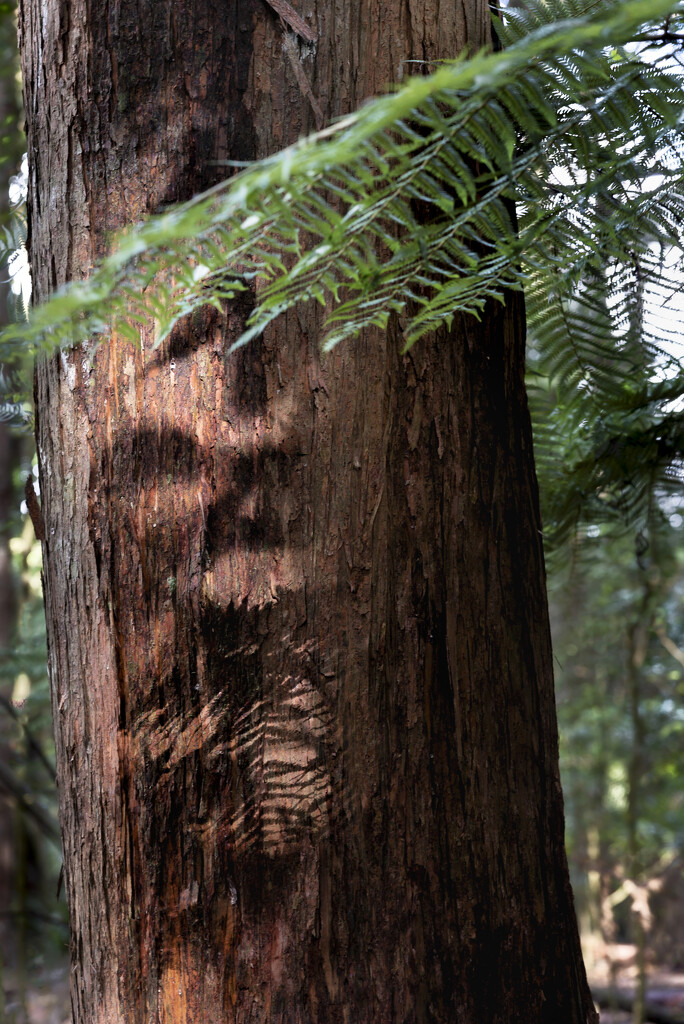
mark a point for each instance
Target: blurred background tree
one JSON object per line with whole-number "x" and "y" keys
{"x": 33, "y": 930}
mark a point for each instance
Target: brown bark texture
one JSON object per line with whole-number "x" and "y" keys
{"x": 298, "y": 639}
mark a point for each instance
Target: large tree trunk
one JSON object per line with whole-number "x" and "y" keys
{"x": 298, "y": 637}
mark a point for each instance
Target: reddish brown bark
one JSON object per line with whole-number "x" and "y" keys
{"x": 299, "y": 647}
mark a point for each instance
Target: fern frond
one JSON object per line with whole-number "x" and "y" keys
{"x": 341, "y": 216}
{"x": 555, "y": 165}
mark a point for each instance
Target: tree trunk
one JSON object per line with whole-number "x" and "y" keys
{"x": 298, "y": 637}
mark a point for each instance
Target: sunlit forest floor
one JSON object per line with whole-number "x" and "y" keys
{"x": 614, "y": 966}
{"x": 43, "y": 999}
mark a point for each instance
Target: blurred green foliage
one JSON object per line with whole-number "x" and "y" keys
{"x": 605, "y": 598}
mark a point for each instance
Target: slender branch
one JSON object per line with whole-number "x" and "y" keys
{"x": 30, "y": 738}
{"x": 291, "y": 18}
{"x": 670, "y": 646}
{"x": 25, "y": 799}
{"x": 663, "y": 37}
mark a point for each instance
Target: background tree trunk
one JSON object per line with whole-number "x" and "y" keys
{"x": 7, "y": 627}
{"x": 11, "y": 947}
{"x": 298, "y": 637}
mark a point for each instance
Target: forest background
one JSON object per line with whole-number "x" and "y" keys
{"x": 614, "y": 511}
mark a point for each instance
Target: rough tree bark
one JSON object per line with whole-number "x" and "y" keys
{"x": 298, "y": 637}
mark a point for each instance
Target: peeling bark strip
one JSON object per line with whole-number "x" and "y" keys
{"x": 34, "y": 509}
{"x": 291, "y": 18}
{"x": 292, "y": 52}
{"x": 298, "y": 641}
